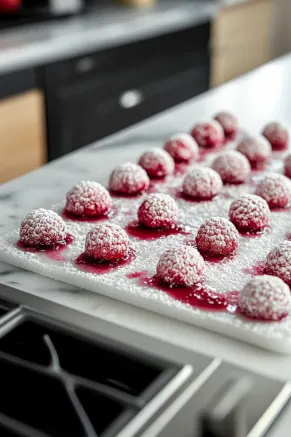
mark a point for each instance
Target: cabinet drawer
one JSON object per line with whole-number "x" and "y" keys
{"x": 236, "y": 25}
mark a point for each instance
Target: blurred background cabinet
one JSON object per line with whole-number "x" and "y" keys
{"x": 241, "y": 39}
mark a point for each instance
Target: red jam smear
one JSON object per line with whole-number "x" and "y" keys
{"x": 134, "y": 229}
{"x": 76, "y": 218}
{"x": 199, "y": 296}
{"x": 100, "y": 267}
{"x": 257, "y": 269}
{"x": 54, "y": 252}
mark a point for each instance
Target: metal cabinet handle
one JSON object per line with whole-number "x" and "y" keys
{"x": 130, "y": 98}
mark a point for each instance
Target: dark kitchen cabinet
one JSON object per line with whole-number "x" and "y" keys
{"x": 96, "y": 95}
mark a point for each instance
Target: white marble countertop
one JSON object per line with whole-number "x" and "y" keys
{"x": 256, "y": 98}
{"x": 107, "y": 26}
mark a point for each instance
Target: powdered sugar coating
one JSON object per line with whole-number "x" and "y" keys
{"x": 158, "y": 211}
{"x": 202, "y": 183}
{"x": 88, "y": 199}
{"x": 265, "y": 298}
{"x": 228, "y": 122}
{"x": 182, "y": 148}
{"x": 250, "y": 213}
{"x": 157, "y": 163}
{"x": 279, "y": 262}
{"x": 217, "y": 236}
{"x": 233, "y": 167}
{"x": 256, "y": 149}
{"x": 208, "y": 134}
{"x": 181, "y": 265}
{"x": 287, "y": 166}
{"x": 129, "y": 179}
{"x": 43, "y": 227}
{"x": 277, "y": 135}
{"x": 107, "y": 242}
{"x": 275, "y": 189}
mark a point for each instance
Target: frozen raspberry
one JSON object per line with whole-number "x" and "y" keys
{"x": 228, "y": 122}
{"x": 233, "y": 167}
{"x": 88, "y": 199}
{"x": 107, "y": 242}
{"x": 158, "y": 211}
{"x": 287, "y": 166}
{"x": 129, "y": 179}
{"x": 217, "y": 236}
{"x": 250, "y": 213}
{"x": 181, "y": 266}
{"x": 275, "y": 189}
{"x": 265, "y": 298}
{"x": 202, "y": 183}
{"x": 43, "y": 227}
{"x": 182, "y": 148}
{"x": 279, "y": 262}
{"x": 257, "y": 150}
{"x": 157, "y": 163}
{"x": 277, "y": 135}
{"x": 208, "y": 134}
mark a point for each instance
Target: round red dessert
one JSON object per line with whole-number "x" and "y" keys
{"x": 157, "y": 163}
{"x": 277, "y": 135}
{"x": 228, "y": 122}
{"x": 208, "y": 134}
{"x": 129, "y": 179}
{"x": 217, "y": 236}
{"x": 275, "y": 189}
{"x": 202, "y": 183}
{"x": 181, "y": 266}
{"x": 44, "y": 228}
{"x": 233, "y": 167}
{"x": 182, "y": 148}
{"x": 265, "y": 298}
{"x": 287, "y": 166}
{"x": 257, "y": 150}
{"x": 279, "y": 262}
{"x": 250, "y": 213}
{"x": 107, "y": 242}
{"x": 158, "y": 211}
{"x": 88, "y": 199}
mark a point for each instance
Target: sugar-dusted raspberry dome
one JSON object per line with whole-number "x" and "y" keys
{"x": 279, "y": 262}
{"x": 129, "y": 179}
{"x": 228, "y": 122}
{"x": 287, "y": 166}
{"x": 256, "y": 149}
{"x": 233, "y": 167}
{"x": 208, "y": 134}
{"x": 277, "y": 135}
{"x": 275, "y": 189}
{"x": 182, "y": 148}
{"x": 88, "y": 199}
{"x": 107, "y": 242}
{"x": 217, "y": 236}
{"x": 250, "y": 213}
{"x": 157, "y": 163}
{"x": 181, "y": 265}
{"x": 43, "y": 227}
{"x": 202, "y": 183}
{"x": 265, "y": 298}
{"x": 158, "y": 211}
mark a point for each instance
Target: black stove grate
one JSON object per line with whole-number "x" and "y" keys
{"x": 55, "y": 383}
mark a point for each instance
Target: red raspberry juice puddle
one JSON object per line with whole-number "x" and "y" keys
{"x": 250, "y": 234}
{"x": 127, "y": 196}
{"x": 134, "y": 229}
{"x": 54, "y": 252}
{"x": 282, "y": 209}
{"x": 76, "y": 218}
{"x": 211, "y": 258}
{"x": 199, "y": 296}
{"x": 257, "y": 269}
{"x": 180, "y": 195}
{"x": 99, "y": 267}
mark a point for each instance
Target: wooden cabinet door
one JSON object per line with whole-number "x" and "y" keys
{"x": 22, "y": 134}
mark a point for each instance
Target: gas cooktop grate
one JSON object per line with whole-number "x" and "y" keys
{"x": 55, "y": 383}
